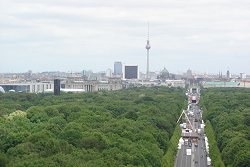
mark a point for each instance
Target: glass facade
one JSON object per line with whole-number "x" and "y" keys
{"x": 118, "y": 68}
{"x": 131, "y": 72}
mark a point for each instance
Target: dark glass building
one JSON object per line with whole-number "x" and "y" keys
{"x": 131, "y": 72}
{"x": 57, "y": 87}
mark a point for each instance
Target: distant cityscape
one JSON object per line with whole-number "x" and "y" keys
{"x": 119, "y": 77}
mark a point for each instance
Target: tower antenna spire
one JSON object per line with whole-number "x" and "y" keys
{"x": 148, "y": 30}
{"x": 148, "y": 47}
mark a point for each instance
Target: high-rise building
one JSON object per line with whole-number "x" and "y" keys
{"x": 220, "y": 75}
{"x": 243, "y": 76}
{"x": 131, "y": 72}
{"x": 84, "y": 75}
{"x": 118, "y": 68}
{"x": 189, "y": 74}
{"x": 57, "y": 87}
{"x": 108, "y": 73}
{"x": 228, "y": 74}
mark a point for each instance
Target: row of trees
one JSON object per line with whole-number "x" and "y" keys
{"x": 121, "y": 128}
{"x": 214, "y": 151}
{"x": 228, "y": 110}
{"x": 169, "y": 157}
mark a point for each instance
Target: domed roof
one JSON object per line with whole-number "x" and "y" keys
{"x": 2, "y": 90}
{"x": 164, "y": 71}
{"x": 164, "y": 74}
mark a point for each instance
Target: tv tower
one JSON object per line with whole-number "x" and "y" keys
{"x": 148, "y": 47}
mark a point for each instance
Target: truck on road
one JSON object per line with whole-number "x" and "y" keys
{"x": 208, "y": 161}
{"x": 188, "y": 151}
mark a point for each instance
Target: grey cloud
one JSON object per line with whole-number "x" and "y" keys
{"x": 116, "y": 30}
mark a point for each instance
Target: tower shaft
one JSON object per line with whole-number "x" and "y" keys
{"x": 147, "y": 63}
{"x": 148, "y": 47}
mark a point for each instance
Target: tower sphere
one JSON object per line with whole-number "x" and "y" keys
{"x": 148, "y": 45}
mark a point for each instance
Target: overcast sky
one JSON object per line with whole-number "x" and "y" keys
{"x": 72, "y": 35}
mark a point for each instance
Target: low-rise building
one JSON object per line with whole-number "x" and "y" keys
{"x": 27, "y": 87}
{"x": 94, "y": 85}
{"x": 175, "y": 83}
{"x": 220, "y": 84}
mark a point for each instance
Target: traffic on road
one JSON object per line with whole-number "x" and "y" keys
{"x": 193, "y": 147}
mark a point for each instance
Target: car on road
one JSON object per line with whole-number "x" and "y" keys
{"x": 190, "y": 144}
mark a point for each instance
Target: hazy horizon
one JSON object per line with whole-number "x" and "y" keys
{"x": 72, "y": 35}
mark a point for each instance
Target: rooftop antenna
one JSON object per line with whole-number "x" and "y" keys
{"x": 148, "y": 47}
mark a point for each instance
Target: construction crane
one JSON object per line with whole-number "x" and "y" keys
{"x": 183, "y": 112}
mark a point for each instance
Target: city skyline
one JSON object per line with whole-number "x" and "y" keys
{"x": 207, "y": 36}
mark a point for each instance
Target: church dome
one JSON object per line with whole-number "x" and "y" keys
{"x": 164, "y": 72}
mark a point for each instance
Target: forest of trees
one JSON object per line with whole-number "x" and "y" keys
{"x": 120, "y": 128}
{"x": 214, "y": 151}
{"x": 228, "y": 111}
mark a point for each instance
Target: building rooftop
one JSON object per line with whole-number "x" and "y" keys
{"x": 222, "y": 83}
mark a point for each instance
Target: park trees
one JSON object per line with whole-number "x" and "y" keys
{"x": 228, "y": 110}
{"x": 121, "y": 128}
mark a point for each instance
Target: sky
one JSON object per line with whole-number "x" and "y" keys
{"x": 206, "y": 36}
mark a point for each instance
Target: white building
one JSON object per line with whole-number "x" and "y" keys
{"x": 243, "y": 76}
{"x": 175, "y": 83}
{"x": 27, "y": 87}
{"x": 109, "y": 73}
{"x": 94, "y": 85}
